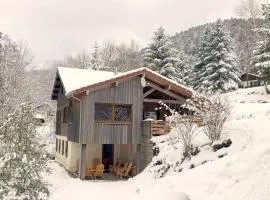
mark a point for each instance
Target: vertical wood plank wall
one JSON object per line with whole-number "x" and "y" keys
{"x": 61, "y": 103}
{"x": 126, "y": 92}
{"x": 71, "y": 130}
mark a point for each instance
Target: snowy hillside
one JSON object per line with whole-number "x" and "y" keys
{"x": 243, "y": 173}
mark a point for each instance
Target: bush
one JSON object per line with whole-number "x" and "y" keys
{"x": 214, "y": 111}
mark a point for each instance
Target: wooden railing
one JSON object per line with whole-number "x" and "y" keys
{"x": 159, "y": 128}
{"x": 156, "y": 128}
{"x": 163, "y": 127}
{"x": 196, "y": 119}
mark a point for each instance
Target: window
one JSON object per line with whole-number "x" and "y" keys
{"x": 66, "y": 152}
{"x": 63, "y": 146}
{"x": 70, "y": 111}
{"x": 103, "y": 112}
{"x": 56, "y": 145}
{"x": 59, "y": 146}
{"x": 58, "y": 122}
{"x": 65, "y": 115}
{"x": 122, "y": 113}
{"x": 112, "y": 113}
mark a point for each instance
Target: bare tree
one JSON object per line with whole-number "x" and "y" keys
{"x": 108, "y": 53}
{"x": 214, "y": 112}
{"x": 14, "y": 58}
{"x": 249, "y": 9}
{"x": 184, "y": 128}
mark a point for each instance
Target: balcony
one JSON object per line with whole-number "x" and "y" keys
{"x": 159, "y": 127}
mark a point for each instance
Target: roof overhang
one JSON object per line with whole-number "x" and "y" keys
{"x": 143, "y": 72}
{"x": 57, "y": 86}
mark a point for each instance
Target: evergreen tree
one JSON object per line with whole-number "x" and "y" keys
{"x": 262, "y": 52}
{"x": 95, "y": 62}
{"x": 162, "y": 57}
{"x": 22, "y": 158}
{"x": 216, "y": 71}
{"x": 204, "y": 51}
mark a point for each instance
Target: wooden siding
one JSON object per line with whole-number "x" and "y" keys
{"x": 73, "y": 129}
{"x": 127, "y": 92}
{"x": 113, "y": 133}
{"x": 61, "y": 103}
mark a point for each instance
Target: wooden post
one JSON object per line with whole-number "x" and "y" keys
{"x": 82, "y": 161}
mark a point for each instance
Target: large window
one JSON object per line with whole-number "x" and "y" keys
{"x": 112, "y": 113}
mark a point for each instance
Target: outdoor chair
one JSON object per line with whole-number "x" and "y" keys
{"x": 125, "y": 172}
{"x": 89, "y": 171}
{"x": 121, "y": 168}
{"x": 113, "y": 168}
{"x": 99, "y": 171}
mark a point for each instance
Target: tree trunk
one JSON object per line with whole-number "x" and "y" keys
{"x": 266, "y": 88}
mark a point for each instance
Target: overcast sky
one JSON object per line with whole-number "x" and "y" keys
{"x": 56, "y": 28}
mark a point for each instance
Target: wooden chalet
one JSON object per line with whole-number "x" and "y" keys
{"x": 110, "y": 117}
{"x": 251, "y": 80}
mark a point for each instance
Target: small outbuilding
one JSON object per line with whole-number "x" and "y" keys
{"x": 251, "y": 80}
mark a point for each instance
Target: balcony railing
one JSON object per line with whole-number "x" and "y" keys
{"x": 159, "y": 127}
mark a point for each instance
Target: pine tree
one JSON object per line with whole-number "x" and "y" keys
{"x": 22, "y": 158}
{"x": 261, "y": 57}
{"x": 95, "y": 62}
{"x": 162, "y": 57}
{"x": 217, "y": 67}
{"x": 204, "y": 51}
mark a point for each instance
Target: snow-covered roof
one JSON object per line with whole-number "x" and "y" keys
{"x": 76, "y": 80}
{"x": 247, "y": 73}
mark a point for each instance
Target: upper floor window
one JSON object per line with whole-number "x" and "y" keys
{"x": 112, "y": 113}
{"x": 65, "y": 114}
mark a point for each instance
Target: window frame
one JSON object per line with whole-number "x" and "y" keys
{"x": 65, "y": 115}
{"x": 56, "y": 145}
{"x": 66, "y": 149}
{"x": 63, "y": 147}
{"x": 112, "y": 120}
{"x": 59, "y": 146}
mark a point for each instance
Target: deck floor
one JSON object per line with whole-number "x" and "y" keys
{"x": 107, "y": 177}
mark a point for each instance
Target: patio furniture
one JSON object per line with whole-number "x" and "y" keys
{"x": 99, "y": 171}
{"x": 125, "y": 172}
{"x": 89, "y": 171}
{"x": 121, "y": 168}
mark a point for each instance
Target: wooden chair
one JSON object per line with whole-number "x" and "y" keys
{"x": 96, "y": 161}
{"x": 125, "y": 172}
{"x": 116, "y": 168}
{"x": 120, "y": 169}
{"x": 133, "y": 170}
{"x": 112, "y": 167}
{"x": 89, "y": 171}
{"x": 99, "y": 171}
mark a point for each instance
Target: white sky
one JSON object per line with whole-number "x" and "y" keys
{"x": 56, "y": 28}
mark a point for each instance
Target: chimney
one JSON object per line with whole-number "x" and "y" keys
{"x": 115, "y": 71}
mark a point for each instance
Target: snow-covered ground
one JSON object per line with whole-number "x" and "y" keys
{"x": 244, "y": 174}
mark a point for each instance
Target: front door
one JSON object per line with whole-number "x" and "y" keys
{"x": 107, "y": 155}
